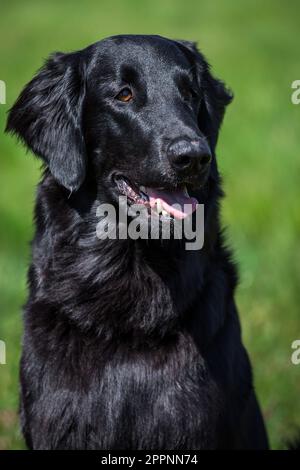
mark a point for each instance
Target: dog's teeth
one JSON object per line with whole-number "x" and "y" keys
{"x": 164, "y": 213}
{"x": 185, "y": 191}
{"x": 158, "y": 206}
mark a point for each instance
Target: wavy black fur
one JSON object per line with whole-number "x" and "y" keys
{"x": 127, "y": 344}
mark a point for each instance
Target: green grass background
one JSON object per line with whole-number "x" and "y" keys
{"x": 254, "y": 46}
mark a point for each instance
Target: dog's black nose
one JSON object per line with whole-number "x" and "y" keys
{"x": 186, "y": 155}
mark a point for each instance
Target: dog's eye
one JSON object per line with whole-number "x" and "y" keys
{"x": 125, "y": 95}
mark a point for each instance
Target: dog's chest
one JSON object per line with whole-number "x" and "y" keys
{"x": 155, "y": 400}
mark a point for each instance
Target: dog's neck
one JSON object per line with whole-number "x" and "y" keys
{"x": 115, "y": 286}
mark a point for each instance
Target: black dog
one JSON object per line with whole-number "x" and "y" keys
{"x": 130, "y": 344}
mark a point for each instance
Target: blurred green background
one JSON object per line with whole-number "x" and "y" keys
{"x": 254, "y": 47}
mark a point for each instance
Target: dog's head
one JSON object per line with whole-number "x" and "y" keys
{"x": 139, "y": 113}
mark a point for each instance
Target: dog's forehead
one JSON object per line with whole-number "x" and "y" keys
{"x": 145, "y": 52}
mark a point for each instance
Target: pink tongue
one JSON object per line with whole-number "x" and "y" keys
{"x": 176, "y": 203}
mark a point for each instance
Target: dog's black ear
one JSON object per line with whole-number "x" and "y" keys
{"x": 47, "y": 117}
{"x": 215, "y": 99}
{"x": 215, "y": 95}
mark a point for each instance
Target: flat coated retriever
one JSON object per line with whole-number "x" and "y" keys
{"x": 130, "y": 343}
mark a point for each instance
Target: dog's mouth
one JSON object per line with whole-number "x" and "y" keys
{"x": 169, "y": 203}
